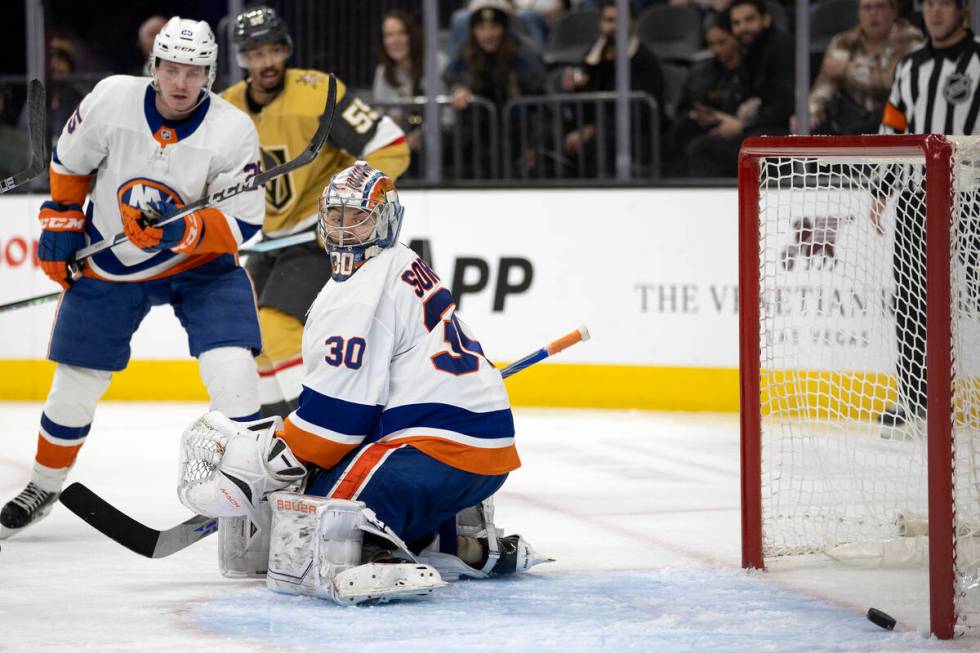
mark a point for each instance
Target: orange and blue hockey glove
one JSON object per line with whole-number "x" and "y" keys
{"x": 63, "y": 234}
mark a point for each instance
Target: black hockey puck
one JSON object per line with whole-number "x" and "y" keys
{"x": 879, "y": 618}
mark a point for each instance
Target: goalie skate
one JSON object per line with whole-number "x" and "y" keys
{"x": 516, "y": 556}
{"x": 31, "y": 505}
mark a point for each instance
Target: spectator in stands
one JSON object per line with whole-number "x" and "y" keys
{"x": 493, "y": 63}
{"x": 63, "y": 94}
{"x": 769, "y": 74}
{"x": 770, "y": 69}
{"x": 714, "y": 90}
{"x": 849, "y": 94}
{"x": 532, "y": 19}
{"x": 599, "y": 74}
{"x": 13, "y": 141}
{"x": 148, "y": 30}
{"x": 399, "y": 75}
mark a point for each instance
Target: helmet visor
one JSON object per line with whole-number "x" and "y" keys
{"x": 347, "y": 222}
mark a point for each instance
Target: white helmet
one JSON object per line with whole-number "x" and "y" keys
{"x": 187, "y": 41}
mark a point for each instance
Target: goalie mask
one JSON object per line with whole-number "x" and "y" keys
{"x": 359, "y": 217}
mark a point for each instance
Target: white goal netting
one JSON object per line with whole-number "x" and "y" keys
{"x": 843, "y": 391}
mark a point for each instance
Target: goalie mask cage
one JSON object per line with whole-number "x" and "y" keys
{"x": 841, "y": 318}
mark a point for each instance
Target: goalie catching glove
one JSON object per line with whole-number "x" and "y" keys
{"x": 200, "y": 232}
{"x": 227, "y": 467}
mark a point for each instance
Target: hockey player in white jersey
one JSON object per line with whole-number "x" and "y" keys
{"x": 136, "y": 148}
{"x": 404, "y": 425}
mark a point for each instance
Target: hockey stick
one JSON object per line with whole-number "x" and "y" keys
{"x": 251, "y": 183}
{"x": 37, "y": 133}
{"x": 151, "y": 543}
{"x": 279, "y": 243}
{"x": 30, "y": 301}
{"x": 307, "y": 156}
{"x": 146, "y": 541}
{"x": 264, "y": 246}
{"x": 579, "y": 335}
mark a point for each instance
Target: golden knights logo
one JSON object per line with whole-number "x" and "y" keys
{"x": 310, "y": 79}
{"x": 279, "y": 191}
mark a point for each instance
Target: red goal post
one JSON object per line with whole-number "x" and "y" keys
{"x": 839, "y": 404}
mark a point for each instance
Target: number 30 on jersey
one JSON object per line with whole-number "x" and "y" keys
{"x": 349, "y": 352}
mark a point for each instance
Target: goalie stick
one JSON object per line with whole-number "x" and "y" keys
{"x": 578, "y": 335}
{"x": 151, "y": 543}
{"x": 146, "y": 541}
{"x": 305, "y": 157}
{"x": 37, "y": 134}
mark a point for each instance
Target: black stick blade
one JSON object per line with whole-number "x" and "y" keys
{"x": 141, "y": 539}
{"x": 37, "y": 132}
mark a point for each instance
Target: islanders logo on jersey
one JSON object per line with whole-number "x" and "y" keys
{"x": 153, "y": 197}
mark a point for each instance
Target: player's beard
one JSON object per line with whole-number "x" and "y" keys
{"x": 270, "y": 87}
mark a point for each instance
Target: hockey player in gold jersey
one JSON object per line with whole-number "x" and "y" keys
{"x": 285, "y": 105}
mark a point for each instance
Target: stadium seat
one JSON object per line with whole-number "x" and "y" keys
{"x": 828, "y": 18}
{"x": 675, "y": 77}
{"x": 571, "y": 37}
{"x": 673, "y": 33}
{"x": 779, "y": 18}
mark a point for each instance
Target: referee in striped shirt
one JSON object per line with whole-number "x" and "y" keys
{"x": 935, "y": 91}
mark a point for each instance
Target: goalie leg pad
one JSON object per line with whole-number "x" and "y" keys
{"x": 316, "y": 550}
{"x": 243, "y": 543}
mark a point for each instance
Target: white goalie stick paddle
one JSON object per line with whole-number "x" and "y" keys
{"x": 37, "y": 135}
{"x": 251, "y": 183}
{"x": 151, "y": 543}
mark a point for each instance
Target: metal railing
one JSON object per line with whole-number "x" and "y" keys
{"x": 538, "y": 125}
{"x": 471, "y": 139}
{"x": 526, "y": 142}
{"x": 316, "y": 24}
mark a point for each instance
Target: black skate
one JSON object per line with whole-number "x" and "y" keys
{"x": 29, "y": 506}
{"x": 516, "y": 555}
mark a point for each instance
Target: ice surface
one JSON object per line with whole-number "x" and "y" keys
{"x": 640, "y": 509}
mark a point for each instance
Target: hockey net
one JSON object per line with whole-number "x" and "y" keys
{"x": 845, "y": 318}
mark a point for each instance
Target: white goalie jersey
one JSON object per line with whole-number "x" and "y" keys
{"x": 118, "y": 149}
{"x": 388, "y": 360}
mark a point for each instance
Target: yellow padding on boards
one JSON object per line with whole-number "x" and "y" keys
{"x": 545, "y": 384}
{"x": 145, "y": 380}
